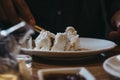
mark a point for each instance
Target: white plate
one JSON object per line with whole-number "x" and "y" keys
{"x": 76, "y": 70}
{"x": 112, "y": 66}
{"x": 94, "y": 46}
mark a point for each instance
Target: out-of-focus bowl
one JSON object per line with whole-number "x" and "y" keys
{"x": 82, "y": 71}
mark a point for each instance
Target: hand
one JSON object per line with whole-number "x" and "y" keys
{"x": 115, "y": 35}
{"x": 13, "y": 11}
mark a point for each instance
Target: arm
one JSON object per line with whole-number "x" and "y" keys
{"x": 13, "y": 11}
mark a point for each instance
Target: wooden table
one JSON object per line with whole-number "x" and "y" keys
{"x": 92, "y": 64}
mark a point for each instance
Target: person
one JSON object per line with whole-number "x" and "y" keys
{"x": 13, "y": 11}
{"x": 90, "y": 18}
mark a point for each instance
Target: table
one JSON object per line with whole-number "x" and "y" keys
{"x": 92, "y": 64}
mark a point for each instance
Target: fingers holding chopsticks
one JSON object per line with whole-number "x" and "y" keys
{"x": 24, "y": 11}
{"x": 13, "y": 11}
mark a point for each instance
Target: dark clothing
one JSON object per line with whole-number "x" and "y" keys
{"x": 89, "y": 17}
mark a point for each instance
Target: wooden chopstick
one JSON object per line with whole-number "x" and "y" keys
{"x": 37, "y": 28}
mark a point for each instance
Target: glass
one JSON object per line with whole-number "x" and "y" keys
{"x": 11, "y": 41}
{"x": 16, "y": 36}
{"x": 26, "y": 58}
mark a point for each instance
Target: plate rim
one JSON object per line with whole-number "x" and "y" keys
{"x": 86, "y": 52}
{"x": 108, "y": 70}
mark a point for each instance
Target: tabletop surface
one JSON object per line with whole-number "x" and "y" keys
{"x": 94, "y": 64}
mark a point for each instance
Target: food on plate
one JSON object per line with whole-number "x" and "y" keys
{"x": 44, "y": 40}
{"x": 73, "y": 39}
{"x": 59, "y": 42}
{"x": 29, "y": 42}
{"x": 66, "y": 41}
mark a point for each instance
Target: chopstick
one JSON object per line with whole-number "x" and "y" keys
{"x": 37, "y": 28}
